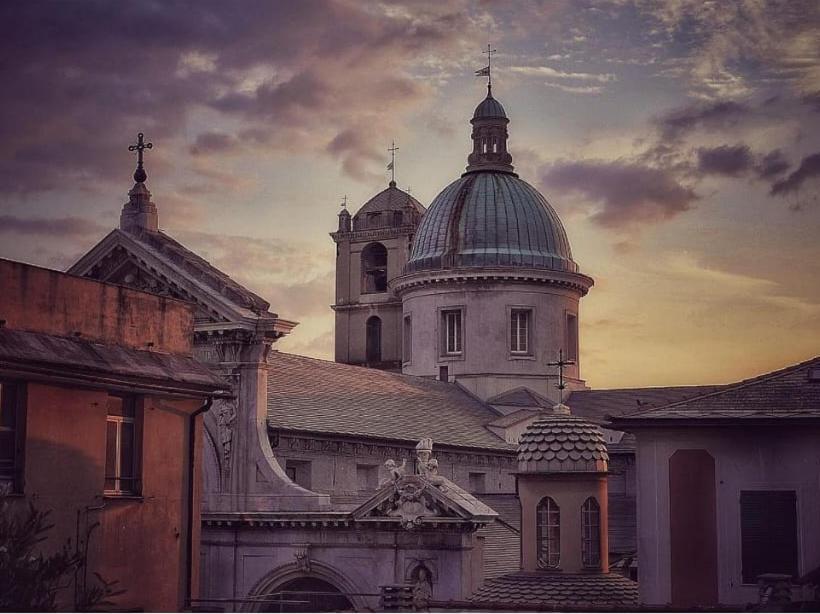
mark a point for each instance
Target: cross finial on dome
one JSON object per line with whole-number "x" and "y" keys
{"x": 561, "y": 363}
{"x": 140, "y": 175}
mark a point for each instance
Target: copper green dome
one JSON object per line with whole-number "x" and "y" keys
{"x": 490, "y": 219}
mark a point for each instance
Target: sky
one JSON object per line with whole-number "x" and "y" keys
{"x": 679, "y": 142}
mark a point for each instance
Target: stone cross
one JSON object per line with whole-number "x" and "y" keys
{"x": 561, "y": 363}
{"x": 392, "y": 166}
{"x": 139, "y": 174}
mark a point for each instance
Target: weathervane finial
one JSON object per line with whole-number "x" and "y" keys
{"x": 392, "y": 166}
{"x": 561, "y": 363}
{"x": 140, "y": 175}
{"x": 487, "y": 70}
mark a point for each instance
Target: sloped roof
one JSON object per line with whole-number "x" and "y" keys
{"x": 597, "y": 405}
{"x": 390, "y": 199}
{"x": 558, "y": 591}
{"x": 307, "y": 394}
{"x": 790, "y": 393}
{"x": 100, "y": 363}
{"x": 521, "y": 397}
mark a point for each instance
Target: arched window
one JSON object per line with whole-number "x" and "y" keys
{"x": 548, "y": 525}
{"x": 591, "y": 533}
{"x": 374, "y": 268}
{"x": 373, "y": 346}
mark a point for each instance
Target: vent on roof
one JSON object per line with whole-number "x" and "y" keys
{"x": 814, "y": 374}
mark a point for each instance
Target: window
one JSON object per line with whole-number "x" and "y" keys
{"x": 451, "y": 331}
{"x": 407, "y": 340}
{"x": 121, "y": 449}
{"x": 374, "y": 268}
{"x": 520, "y": 331}
{"x": 591, "y": 533}
{"x": 367, "y": 477}
{"x": 768, "y": 533}
{"x": 373, "y": 341}
{"x": 478, "y": 482}
{"x": 299, "y": 472}
{"x": 12, "y": 435}
{"x": 572, "y": 336}
{"x": 398, "y": 218}
{"x": 374, "y": 220}
{"x": 548, "y": 519}
{"x": 443, "y": 374}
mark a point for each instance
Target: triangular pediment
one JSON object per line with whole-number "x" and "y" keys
{"x": 414, "y": 500}
{"x": 164, "y": 267}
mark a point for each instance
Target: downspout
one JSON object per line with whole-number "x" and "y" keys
{"x": 189, "y": 555}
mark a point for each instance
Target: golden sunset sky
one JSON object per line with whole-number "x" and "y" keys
{"x": 679, "y": 142}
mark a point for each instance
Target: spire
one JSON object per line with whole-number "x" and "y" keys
{"x": 139, "y": 213}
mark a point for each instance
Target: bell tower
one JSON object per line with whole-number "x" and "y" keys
{"x": 372, "y": 248}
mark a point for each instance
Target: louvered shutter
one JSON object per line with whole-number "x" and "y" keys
{"x": 768, "y": 525}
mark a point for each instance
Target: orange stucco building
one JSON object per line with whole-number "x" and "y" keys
{"x": 100, "y": 422}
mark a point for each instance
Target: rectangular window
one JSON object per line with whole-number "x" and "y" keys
{"x": 121, "y": 449}
{"x": 367, "y": 477}
{"x": 478, "y": 482}
{"x": 572, "y": 336}
{"x": 407, "y": 340}
{"x": 451, "y": 331}
{"x": 768, "y": 533}
{"x": 12, "y": 435}
{"x": 520, "y": 331}
{"x": 299, "y": 472}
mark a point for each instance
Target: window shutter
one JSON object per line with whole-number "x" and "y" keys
{"x": 768, "y": 524}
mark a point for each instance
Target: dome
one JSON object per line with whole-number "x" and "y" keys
{"x": 489, "y": 107}
{"x": 380, "y": 210}
{"x": 562, "y": 443}
{"x": 490, "y": 219}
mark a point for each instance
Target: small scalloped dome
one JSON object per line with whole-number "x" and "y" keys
{"x": 562, "y": 444}
{"x": 489, "y": 107}
{"x": 488, "y": 219}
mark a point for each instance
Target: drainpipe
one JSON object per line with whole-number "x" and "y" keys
{"x": 189, "y": 568}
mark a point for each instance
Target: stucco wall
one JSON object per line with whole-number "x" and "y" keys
{"x": 140, "y": 541}
{"x": 486, "y": 365}
{"x": 745, "y": 459}
{"x": 47, "y": 301}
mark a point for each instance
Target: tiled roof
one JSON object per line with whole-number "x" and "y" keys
{"x": 514, "y": 418}
{"x": 307, "y": 394}
{"x": 559, "y": 591}
{"x": 81, "y": 360}
{"x": 793, "y": 392}
{"x": 502, "y": 549}
{"x": 596, "y": 405}
{"x": 562, "y": 443}
{"x": 521, "y": 397}
{"x": 390, "y": 199}
{"x": 202, "y": 270}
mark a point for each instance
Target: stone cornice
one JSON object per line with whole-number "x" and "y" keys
{"x": 373, "y": 234}
{"x": 353, "y": 306}
{"x": 577, "y": 282}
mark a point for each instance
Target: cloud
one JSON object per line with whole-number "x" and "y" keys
{"x": 213, "y": 142}
{"x": 547, "y": 71}
{"x": 64, "y": 227}
{"x": 576, "y": 89}
{"x": 624, "y": 193}
{"x": 772, "y": 164}
{"x": 710, "y": 115}
{"x": 808, "y": 169}
{"x": 729, "y": 160}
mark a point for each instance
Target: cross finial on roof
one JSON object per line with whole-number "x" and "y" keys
{"x": 139, "y": 174}
{"x": 561, "y": 363}
{"x": 392, "y": 166}
{"x": 344, "y": 202}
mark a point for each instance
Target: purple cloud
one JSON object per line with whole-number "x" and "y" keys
{"x": 713, "y": 115}
{"x": 730, "y": 160}
{"x": 628, "y": 193}
{"x": 808, "y": 169}
{"x": 64, "y": 227}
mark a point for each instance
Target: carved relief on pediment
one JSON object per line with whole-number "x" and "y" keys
{"x": 411, "y": 502}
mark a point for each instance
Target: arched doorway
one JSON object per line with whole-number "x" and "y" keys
{"x": 307, "y": 594}
{"x": 373, "y": 349}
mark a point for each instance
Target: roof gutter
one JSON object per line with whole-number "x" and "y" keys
{"x": 189, "y": 538}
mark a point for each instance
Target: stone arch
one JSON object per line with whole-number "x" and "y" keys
{"x": 287, "y": 574}
{"x": 374, "y": 268}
